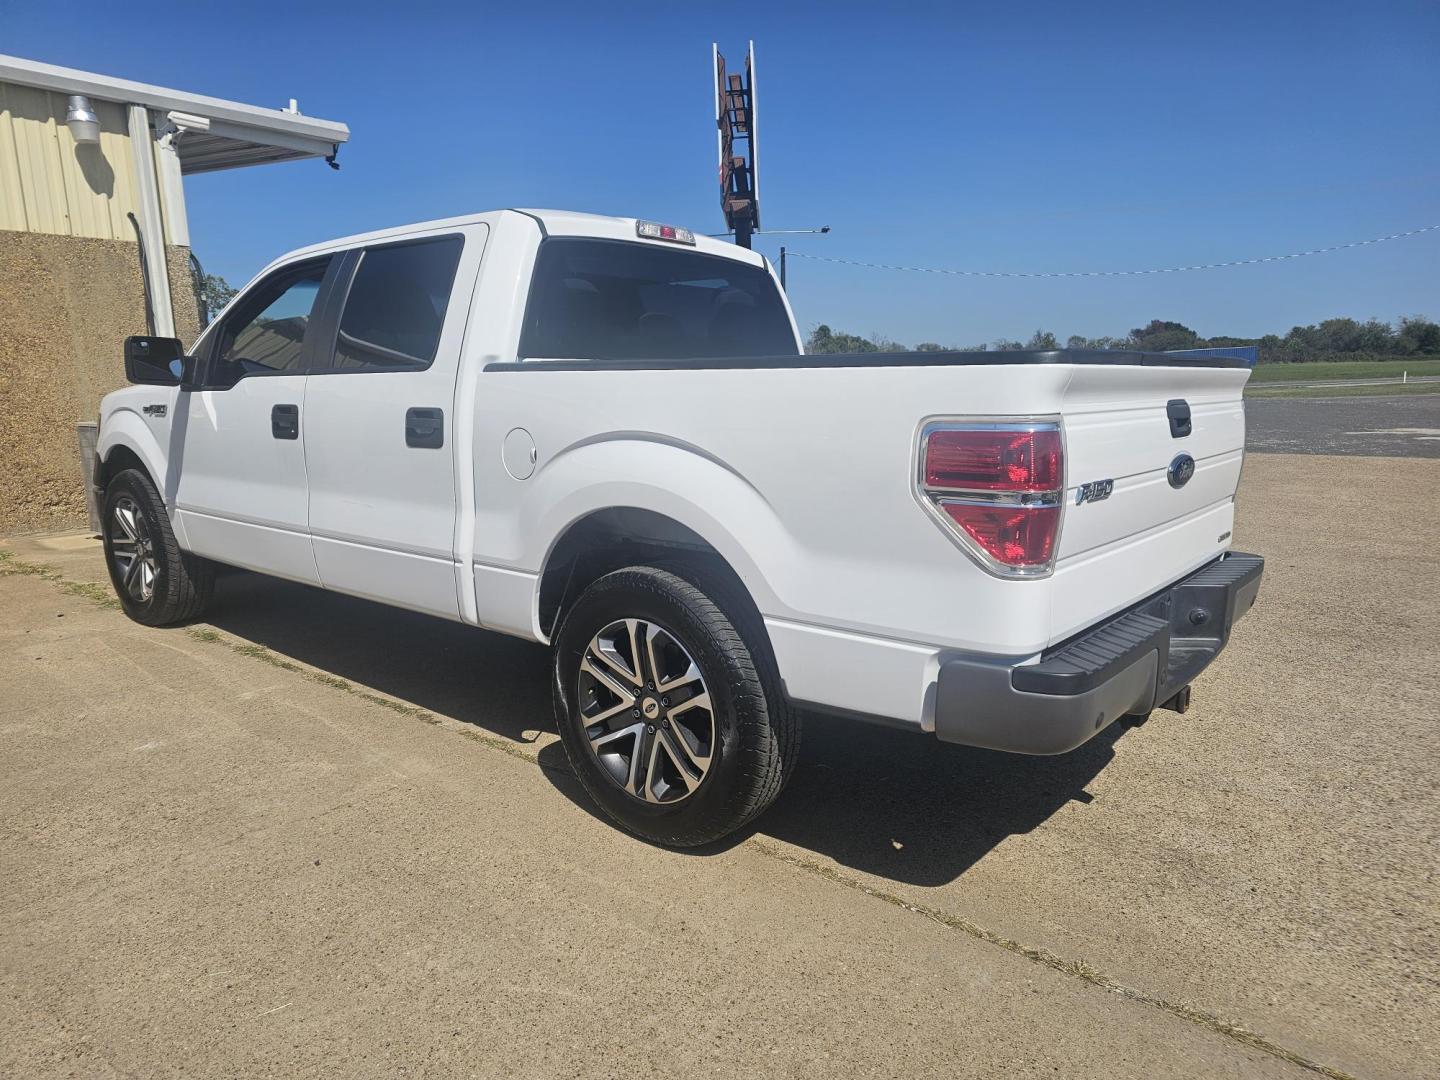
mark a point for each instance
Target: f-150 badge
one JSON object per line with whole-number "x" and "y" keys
{"x": 155, "y": 410}
{"x": 1094, "y": 491}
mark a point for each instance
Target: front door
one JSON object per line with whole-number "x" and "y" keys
{"x": 380, "y": 427}
{"x": 242, "y": 495}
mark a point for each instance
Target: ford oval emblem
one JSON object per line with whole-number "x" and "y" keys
{"x": 1181, "y": 470}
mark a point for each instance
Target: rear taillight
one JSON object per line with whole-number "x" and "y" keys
{"x": 997, "y": 487}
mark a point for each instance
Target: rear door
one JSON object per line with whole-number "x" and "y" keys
{"x": 380, "y": 423}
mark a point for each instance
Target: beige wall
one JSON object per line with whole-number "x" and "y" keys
{"x": 66, "y": 306}
{"x": 49, "y": 184}
{"x": 71, "y": 290}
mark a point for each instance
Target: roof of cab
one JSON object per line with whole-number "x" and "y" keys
{"x": 572, "y": 223}
{"x": 554, "y": 223}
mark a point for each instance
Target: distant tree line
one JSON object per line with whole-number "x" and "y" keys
{"x": 1333, "y": 339}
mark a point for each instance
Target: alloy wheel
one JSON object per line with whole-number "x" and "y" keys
{"x": 132, "y": 548}
{"x": 647, "y": 711}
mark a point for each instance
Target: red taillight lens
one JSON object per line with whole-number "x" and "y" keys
{"x": 986, "y": 460}
{"x": 1013, "y": 535}
{"x": 1000, "y": 486}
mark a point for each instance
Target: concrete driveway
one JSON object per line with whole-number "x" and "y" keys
{"x": 316, "y": 836}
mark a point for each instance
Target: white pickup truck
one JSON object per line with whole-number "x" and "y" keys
{"x": 602, "y": 434}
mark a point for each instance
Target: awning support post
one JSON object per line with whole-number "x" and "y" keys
{"x": 152, "y": 224}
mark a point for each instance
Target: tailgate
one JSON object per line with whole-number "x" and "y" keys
{"x": 1161, "y": 518}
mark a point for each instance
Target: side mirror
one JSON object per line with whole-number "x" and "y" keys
{"x": 157, "y": 361}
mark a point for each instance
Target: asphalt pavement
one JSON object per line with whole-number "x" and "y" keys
{"x": 1383, "y": 426}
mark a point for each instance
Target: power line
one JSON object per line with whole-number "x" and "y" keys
{"x": 1116, "y": 273}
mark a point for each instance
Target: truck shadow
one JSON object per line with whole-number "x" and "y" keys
{"x": 890, "y": 803}
{"x": 903, "y": 806}
{"x": 900, "y": 805}
{"x": 493, "y": 681}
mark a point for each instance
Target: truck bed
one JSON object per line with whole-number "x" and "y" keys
{"x": 957, "y": 358}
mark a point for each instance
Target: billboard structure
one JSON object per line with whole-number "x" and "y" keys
{"x": 736, "y": 146}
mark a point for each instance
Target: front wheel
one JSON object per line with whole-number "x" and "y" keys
{"x": 669, "y": 705}
{"x": 158, "y": 583}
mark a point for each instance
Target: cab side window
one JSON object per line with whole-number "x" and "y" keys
{"x": 266, "y": 332}
{"x": 396, "y": 306}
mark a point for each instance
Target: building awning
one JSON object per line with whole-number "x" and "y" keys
{"x": 215, "y": 134}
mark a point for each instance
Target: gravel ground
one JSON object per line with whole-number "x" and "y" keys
{"x": 215, "y": 865}
{"x": 1378, "y": 426}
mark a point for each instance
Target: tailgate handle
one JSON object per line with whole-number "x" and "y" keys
{"x": 1179, "y": 413}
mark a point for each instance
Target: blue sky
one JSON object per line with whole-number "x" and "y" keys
{"x": 1020, "y": 137}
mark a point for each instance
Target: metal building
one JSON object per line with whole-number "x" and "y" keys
{"x": 95, "y": 245}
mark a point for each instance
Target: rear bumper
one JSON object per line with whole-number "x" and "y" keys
{"x": 1128, "y": 664}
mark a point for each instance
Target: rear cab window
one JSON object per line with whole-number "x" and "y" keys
{"x": 395, "y": 306}
{"x": 621, "y": 300}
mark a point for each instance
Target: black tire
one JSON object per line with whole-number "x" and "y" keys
{"x": 180, "y": 584}
{"x": 755, "y": 734}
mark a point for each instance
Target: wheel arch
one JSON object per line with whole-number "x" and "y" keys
{"x": 634, "y": 497}
{"x": 613, "y": 537}
{"x": 126, "y": 442}
{"x": 120, "y": 458}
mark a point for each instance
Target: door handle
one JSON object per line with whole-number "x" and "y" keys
{"x": 1178, "y": 411}
{"x": 285, "y": 421}
{"x": 425, "y": 428}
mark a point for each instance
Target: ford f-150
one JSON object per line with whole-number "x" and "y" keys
{"x": 603, "y": 434}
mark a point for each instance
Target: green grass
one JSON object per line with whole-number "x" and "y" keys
{"x": 1374, "y": 369}
{"x": 89, "y": 590}
{"x": 1382, "y": 390}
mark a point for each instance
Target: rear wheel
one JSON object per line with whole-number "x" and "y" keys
{"x": 157, "y": 583}
{"x": 669, "y": 705}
